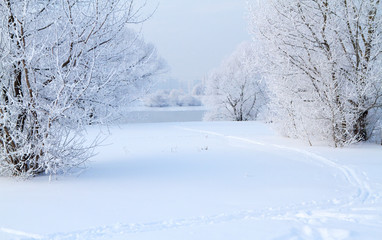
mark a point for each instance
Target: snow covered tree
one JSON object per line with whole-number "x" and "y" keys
{"x": 234, "y": 90}
{"x": 324, "y": 66}
{"x": 198, "y": 89}
{"x": 63, "y": 62}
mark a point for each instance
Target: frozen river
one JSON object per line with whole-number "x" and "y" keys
{"x": 165, "y": 114}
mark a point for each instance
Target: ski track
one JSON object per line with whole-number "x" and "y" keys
{"x": 360, "y": 183}
{"x": 305, "y": 214}
{"x": 299, "y": 213}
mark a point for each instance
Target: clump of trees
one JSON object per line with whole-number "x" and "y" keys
{"x": 173, "y": 98}
{"x": 234, "y": 91}
{"x": 63, "y": 64}
{"x": 323, "y": 61}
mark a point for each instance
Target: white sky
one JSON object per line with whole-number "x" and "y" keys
{"x": 195, "y": 35}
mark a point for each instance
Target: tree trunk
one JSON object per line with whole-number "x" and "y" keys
{"x": 360, "y": 129}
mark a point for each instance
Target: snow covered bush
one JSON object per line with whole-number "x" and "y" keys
{"x": 63, "y": 63}
{"x": 234, "y": 91}
{"x": 158, "y": 99}
{"x": 173, "y": 98}
{"x": 188, "y": 100}
{"x": 324, "y": 66}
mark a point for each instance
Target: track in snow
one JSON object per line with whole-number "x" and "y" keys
{"x": 364, "y": 192}
{"x": 304, "y": 214}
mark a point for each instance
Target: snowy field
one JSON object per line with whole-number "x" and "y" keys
{"x": 204, "y": 181}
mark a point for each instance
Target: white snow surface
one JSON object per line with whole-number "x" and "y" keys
{"x": 202, "y": 180}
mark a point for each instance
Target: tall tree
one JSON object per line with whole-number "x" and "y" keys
{"x": 324, "y": 61}
{"x": 62, "y": 61}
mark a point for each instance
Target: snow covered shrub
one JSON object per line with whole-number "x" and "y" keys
{"x": 234, "y": 90}
{"x": 158, "y": 99}
{"x": 324, "y": 66}
{"x": 188, "y": 100}
{"x": 173, "y": 98}
{"x": 63, "y": 62}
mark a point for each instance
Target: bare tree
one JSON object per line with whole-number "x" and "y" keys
{"x": 61, "y": 62}
{"x": 324, "y": 61}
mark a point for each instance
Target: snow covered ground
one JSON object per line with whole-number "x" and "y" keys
{"x": 202, "y": 180}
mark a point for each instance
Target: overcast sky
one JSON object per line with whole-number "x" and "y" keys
{"x": 195, "y": 35}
